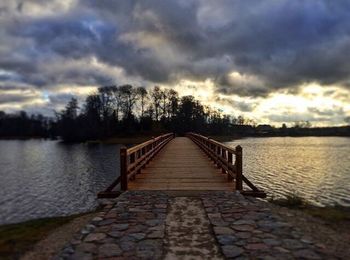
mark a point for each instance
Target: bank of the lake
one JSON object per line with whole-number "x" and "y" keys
{"x": 45, "y": 235}
{"x": 125, "y": 140}
{"x": 43, "y": 238}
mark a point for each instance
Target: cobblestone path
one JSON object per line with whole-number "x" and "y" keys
{"x": 188, "y": 231}
{"x": 211, "y": 225}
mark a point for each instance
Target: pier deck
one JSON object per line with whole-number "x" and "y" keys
{"x": 181, "y": 165}
{"x": 191, "y": 163}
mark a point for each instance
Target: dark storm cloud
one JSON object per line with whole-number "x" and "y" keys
{"x": 283, "y": 43}
{"x": 244, "y": 106}
{"x": 13, "y": 86}
{"x": 339, "y": 111}
{"x": 229, "y": 86}
{"x": 15, "y": 98}
{"x": 274, "y": 44}
{"x": 60, "y": 99}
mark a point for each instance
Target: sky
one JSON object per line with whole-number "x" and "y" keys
{"x": 271, "y": 61}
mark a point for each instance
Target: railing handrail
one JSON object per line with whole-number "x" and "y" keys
{"x": 223, "y": 155}
{"x": 139, "y": 146}
{"x": 215, "y": 142}
{"x": 133, "y": 159}
{"x": 139, "y": 155}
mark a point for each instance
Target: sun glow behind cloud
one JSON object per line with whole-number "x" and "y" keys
{"x": 312, "y": 103}
{"x": 232, "y": 55}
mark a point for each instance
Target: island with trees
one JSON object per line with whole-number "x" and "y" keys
{"x": 129, "y": 111}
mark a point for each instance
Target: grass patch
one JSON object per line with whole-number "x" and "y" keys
{"x": 290, "y": 201}
{"x": 335, "y": 213}
{"x": 16, "y": 239}
{"x": 330, "y": 214}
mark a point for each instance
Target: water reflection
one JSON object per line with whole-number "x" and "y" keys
{"x": 317, "y": 169}
{"x": 47, "y": 178}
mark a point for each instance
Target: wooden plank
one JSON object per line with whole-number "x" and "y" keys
{"x": 181, "y": 165}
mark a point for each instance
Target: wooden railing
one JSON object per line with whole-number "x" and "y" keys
{"x": 222, "y": 156}
{"x": 132, "y": 160}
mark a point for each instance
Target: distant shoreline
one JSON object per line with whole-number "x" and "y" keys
{"x": 142, "y": 138}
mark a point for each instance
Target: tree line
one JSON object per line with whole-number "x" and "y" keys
{"x": 24, "y": 126}
{"x": 126, "y": 110}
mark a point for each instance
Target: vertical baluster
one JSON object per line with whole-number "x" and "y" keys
{"x": 223, "y": 155}
{"x": 144, "y": 151}
{"x": 218, "y": 152}
{"x": 239, "y": 155}
{"x": 213, "y": 151}
{"x": 123, "y": 169}
{"x": 229, "y": 164}
{"x": 138, "y": 157}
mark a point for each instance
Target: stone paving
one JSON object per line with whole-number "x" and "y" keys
{"x": 188, "y": 231}
{"x": 211, "y": 225}
{"x": 245, "y": 228}
{"x": 130, "y": 227}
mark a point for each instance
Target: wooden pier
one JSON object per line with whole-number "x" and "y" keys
{"x": 190, "y": 163}
{"x": 177, "y": 203}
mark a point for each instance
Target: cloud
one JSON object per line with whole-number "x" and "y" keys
{"x": 15, "y": 98}
{"x": 250, "y": 49}
{"x": 282, "y": 44}
{"x": 237, "y": 103}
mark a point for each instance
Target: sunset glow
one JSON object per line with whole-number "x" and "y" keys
{"x": 274, "y": 63}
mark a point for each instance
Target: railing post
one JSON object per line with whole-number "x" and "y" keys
{"x": 223, "y": 155}
{"x": 239, "y": 168}
{"x": 123, "y": 169}
{"x": 218, "y": 154}
{"x": 139, "y": 154}
{"x": 152, "y": 146}
{"x": 229, "y": 163}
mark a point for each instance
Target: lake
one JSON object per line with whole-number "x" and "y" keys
{"x": 315, "y": 168}
{"x": 47, "y": 178}
{"x": 41, "y": 178}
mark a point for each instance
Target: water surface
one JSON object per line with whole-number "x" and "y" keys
{"x": 316, "y": 168}
{"x": 41, "y": 178}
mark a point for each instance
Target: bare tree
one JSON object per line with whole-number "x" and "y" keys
{"x": 156, "y": 96}
{"x": 142, "y": 93}
{"x": 174, "y": 102}
{"x": 129, "y": 97}
{"x": 117, "y": 101}
{"x": 106, "y": 101}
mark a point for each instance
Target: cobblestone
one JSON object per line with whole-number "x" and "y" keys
{"x": 154, "y": 225}
{"x": 131, "y": 226}
{"x": 257, "y": 232}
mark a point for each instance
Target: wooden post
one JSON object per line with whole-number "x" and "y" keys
{"x": 139, "y": 154}
{"x": 123, "y": 169}
{"x": 153, "y": 145}
{"x": 239, "y": 168}
{"x": 223, "y": 155}
{"x": 229, "y": 163}
{"x": 218, "y": 154}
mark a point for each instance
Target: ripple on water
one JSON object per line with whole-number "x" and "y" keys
{"x": 47, "y": 178}
{"x": 316, "y": 168}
